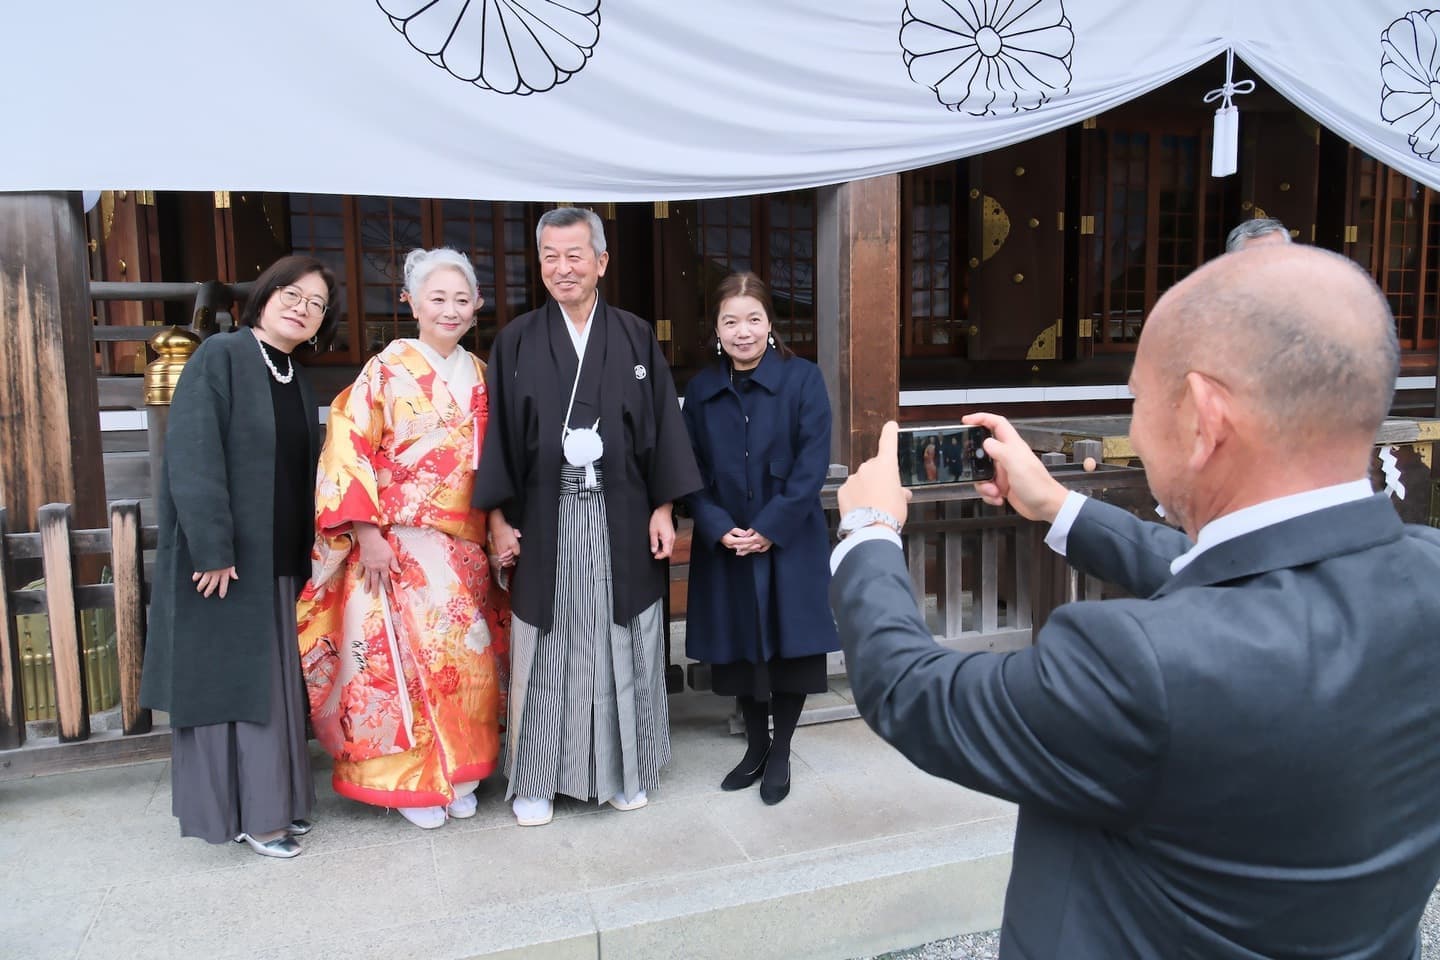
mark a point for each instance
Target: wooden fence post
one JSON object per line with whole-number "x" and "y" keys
{"x": 127, "y": 562}
{"x": 12, "y": 708}
{"x": 72, "y": 707}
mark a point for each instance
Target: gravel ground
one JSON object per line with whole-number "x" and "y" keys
{"x": 986, "y": 946}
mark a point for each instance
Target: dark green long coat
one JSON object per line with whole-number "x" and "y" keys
{"x": 207, "y": 660}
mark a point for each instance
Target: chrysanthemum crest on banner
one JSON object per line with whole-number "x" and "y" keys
{"x": 508, "y": 46}
{"x": 1410, "y": 80}
{"x": 988, "y": 57}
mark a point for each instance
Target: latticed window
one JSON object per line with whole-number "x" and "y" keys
{"x": 389, "y": 228}
{"x": 772, "y": 236}
{"x": 933, "y": 207}
{"x": 365, "y": 241}
{"x": 1151, "y": 215}
{"x": 499, "y": 241}
{"x": 317, "y": 227}
{"x": 791, "y": 224}
{"x": 1395, "y": 235}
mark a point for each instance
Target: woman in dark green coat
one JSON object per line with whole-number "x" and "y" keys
{"x": 236, "y": 509}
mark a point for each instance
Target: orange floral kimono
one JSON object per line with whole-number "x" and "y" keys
{"x": 407, "y": 689}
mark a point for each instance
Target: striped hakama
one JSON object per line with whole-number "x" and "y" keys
{"x": 588, "y": 709}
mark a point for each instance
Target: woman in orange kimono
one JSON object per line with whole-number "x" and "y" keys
{"x": 403, "y": 633}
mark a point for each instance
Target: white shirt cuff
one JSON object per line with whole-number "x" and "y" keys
{"x": 1059, "y": 534}
{"x": 876, "y": 531}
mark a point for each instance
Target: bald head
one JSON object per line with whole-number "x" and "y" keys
{"x": 1300, "y": 335}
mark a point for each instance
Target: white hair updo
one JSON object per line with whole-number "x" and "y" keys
{"x": 419, "y": 264}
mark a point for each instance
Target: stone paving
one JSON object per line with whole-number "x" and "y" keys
{"x": 867, "y": 855}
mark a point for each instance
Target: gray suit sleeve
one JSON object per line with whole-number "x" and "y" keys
{"x": 1120, "y": 548}
{"x": 1074, "y": 725}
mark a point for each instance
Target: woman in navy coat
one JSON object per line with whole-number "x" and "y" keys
{"x": 759, "y": 419}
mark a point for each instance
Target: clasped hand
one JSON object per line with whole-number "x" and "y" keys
{"x": 745, "y": 542}
{"x": 504, "y": 539}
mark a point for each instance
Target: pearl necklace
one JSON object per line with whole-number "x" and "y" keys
{"x": 274, "y": 372}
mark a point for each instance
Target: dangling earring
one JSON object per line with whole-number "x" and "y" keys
{"x": 770, "y": 339}
{"x": 719, "y": 352}
{"x": 314, "y": 341}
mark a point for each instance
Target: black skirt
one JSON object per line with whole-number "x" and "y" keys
{"x": 781, "y": 675}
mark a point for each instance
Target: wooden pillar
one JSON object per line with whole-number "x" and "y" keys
{"x": 129, "y": 247}
{"x": 49, "y": 406}
{"x": 858, "y": 301}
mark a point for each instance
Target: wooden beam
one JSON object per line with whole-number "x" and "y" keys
{"x": 49, "y": 408}
{"x": 127, "y": 561}
{"x": 12, "y": 707}
{"x": 66, "y": 646}
{"x": 858, "y": 300}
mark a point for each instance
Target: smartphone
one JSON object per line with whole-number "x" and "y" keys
{"x": 952, "y": 454}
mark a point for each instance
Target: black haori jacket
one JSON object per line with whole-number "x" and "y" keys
{"x": 648, "y": 461}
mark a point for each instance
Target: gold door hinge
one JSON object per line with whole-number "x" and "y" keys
{"x": 1059, "y": 219}
{"x": 1088, "y": 123}
{"x": 1087, "y": 328}
{"x": 1044, "y": 346}
{"x": 662, "y": 330}
{"x": 222, "y": 199}
{"x": 1352, "y": 233}
{"x": 1087, "y": 226}
{"x": 662, "y": 209}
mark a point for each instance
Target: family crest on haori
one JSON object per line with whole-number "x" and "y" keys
{"x": 988, "y": 59}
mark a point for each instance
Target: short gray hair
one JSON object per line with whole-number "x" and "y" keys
{"x": 1250, "y": 229}
{"x": 568, "y": 217}
{"x": 420, "y": 263}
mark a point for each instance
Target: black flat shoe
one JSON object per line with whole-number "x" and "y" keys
{"x": 774, "y": 793}
{"x": 740, "y": 778}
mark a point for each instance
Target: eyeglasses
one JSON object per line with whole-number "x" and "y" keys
{"x": 314, "y": 306}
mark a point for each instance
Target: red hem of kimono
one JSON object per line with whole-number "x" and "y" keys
{"x": 409, "y": 798}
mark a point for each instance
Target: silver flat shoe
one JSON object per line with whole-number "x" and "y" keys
{"x": 298, "y": 828}
{"x": 282, "y": 847}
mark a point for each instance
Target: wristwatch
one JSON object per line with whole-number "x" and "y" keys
{"x": 864, "y": 517}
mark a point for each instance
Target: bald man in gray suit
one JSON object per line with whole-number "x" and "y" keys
{"x": 1244, "y": 760}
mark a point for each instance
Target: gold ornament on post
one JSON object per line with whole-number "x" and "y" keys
{"x": 174, "y": 346}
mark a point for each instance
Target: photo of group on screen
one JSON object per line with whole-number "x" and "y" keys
{"x": 937, "y": 456}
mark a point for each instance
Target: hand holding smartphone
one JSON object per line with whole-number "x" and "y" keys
{"x": 948, "y": 454}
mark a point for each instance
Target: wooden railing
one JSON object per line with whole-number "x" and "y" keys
{"x": 61, "y": 553}
{"x": 982, "y": 574}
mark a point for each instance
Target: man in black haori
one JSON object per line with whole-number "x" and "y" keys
{"x": 584, "y": 455}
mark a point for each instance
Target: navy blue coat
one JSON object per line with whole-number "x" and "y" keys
{"x": 763, "y": 450}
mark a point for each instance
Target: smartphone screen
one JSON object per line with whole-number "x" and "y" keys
{"x": 953, "y": 454}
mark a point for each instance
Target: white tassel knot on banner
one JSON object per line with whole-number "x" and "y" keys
{"x": 1224, "y": 160}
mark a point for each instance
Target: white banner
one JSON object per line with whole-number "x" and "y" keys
{"x": 612, "y": 100}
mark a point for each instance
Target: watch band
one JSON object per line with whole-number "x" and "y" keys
{"x": 865, "y": 517}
